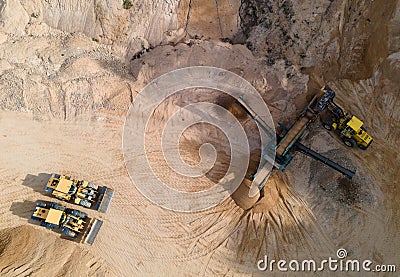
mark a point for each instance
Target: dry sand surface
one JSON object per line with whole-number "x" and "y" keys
{"x": 137, "y": 234}
{"x": 66, "y": 84}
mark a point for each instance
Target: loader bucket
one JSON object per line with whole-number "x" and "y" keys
{"x": 92, "y": 231}
{"x": 106, "y": 194}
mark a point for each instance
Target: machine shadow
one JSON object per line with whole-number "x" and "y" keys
{"x": 24, "y": 210}
{"x": 37, "y": 183}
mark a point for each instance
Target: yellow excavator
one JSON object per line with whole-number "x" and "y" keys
{"x": 350, "y": 129}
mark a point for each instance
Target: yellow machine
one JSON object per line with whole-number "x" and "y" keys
{"x": 73, "y": 223}
{"x": 352, "y": 131}
{"x": 80, "y": 192}
{"x": 349, "y": 127}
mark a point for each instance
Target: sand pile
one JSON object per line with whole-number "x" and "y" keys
{"x": 24, "y": 251}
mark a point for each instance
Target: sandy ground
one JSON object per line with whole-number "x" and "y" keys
{"x": 142, "y": 239}
{"x": 136, "y": 233}
{"x": 63, "y": 101}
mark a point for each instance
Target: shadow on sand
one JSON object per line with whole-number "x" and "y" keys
{"x": 37, "y": 183}
{"x": 24, "y": 210}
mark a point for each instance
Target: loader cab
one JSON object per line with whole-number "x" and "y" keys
{"x": 355, "y": 124}
{"x": 66, "y": 186}
{"x": 354, "y": 133}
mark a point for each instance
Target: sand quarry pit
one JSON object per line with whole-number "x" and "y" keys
{"x": 138, "y": 233}
{"x": 65, "y": 90}
{"x": 228, "y": 238}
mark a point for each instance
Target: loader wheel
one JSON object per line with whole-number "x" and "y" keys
{"x": 41, "y": 204}
{"x": 68, "y": 232}
{"x": 92, "y": 186}
{"x": 79, "y": 214}
{"x": 85, "y": 203}
{"x": 349, "y": 142}
{"x": 55, "y": 206}
{"x": 327, "y": 125}
{"x": 363, "y": 147}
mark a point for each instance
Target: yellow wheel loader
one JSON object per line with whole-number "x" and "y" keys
{"x": 349, "y": 128}
{"x": 79, "y": 192}
{"x": 72, "y": 223}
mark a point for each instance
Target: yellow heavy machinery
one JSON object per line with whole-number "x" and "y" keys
{"x": 72, "y": 223}
{"x": 349, "y": 128}
{"x": 288, "y": 142}
{"x": 280, "y": 152}
{"x": 80, "y": 192}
